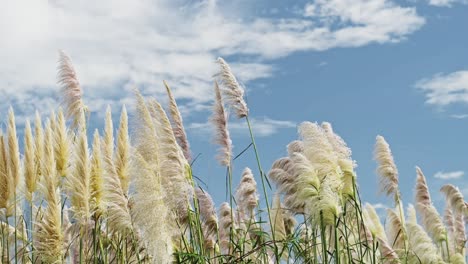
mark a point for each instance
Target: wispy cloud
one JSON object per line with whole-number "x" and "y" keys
{"x": 379, "y": 206}
{"x": 446, "y": 3}
{"x": 459, "y": 116}
{"x": 116, "y": 45}
{"x": 261, "y": 127}
{"x": 445, "y": 89}
{"x": 449, "y": 175}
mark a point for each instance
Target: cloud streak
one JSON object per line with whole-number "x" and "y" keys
{"x": 446, "y": 3}
{"x": 445, "y": 89}
{"x": 261, "y": 127}
{"x": 449, "y": 175}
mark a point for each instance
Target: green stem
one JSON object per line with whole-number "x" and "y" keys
{"x": 16, "y": 227}
{"x": 348, "y": 251}
{"x": 337, "y": 244}
{"x": 324, "y": 240}
{"x": 262, "y": 177}
{"x": 358, "y": 213}
{"x": 447, "y": 247}
{"x": 31, "y": 231}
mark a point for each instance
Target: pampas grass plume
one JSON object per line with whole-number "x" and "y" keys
{"x": 233, "y": 92}
{"x": 30, "y": 175}
{"x": 177, "y": 124}
{"x": 386, "y": 168}
{"x": 13, "y": 152}
{"x": 122, "y": 155}
{"x": 38, "y": 145}
{"x": 62, "y": 145}
{"x": 219, "y": 120}
{"x": 97, "y": 177}
{"x": 71, "y": 89}
{"x": 80, "y": 180}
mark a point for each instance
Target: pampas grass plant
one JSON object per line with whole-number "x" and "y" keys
{"x": 134, "y": 198}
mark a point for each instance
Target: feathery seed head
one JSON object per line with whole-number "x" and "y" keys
{"x": 80, "y": 180}
{"x": 219, "y": 120}
{"x": 122, "y": 157}
{"x": 295, "y": 146}
{"x": 13, "y": 152}
{"x": 70, "y": 89}
{"x": 97, "y": 177}
{"x": 454, "y": 198}
{"x": 30, "y": 175}
{"x": 177, "y": 124}
{"x": 109, "y": 135}
{"x": 38, "y": 145}
{"x": 207, "y": 213}
{"x": 233, "y": 92}
{"x": 226, "y": 226}
{"x": 386, "y": 168}
{"x": 62, "y": 145}
{"x": 246, "y": 194}
{"x": 321, "y": 154}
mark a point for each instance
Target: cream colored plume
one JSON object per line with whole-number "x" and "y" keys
{"x": 422, "y": 250}
{"x": 5, "y": 180}
{"x": 79, "y": 182}
{"x": 455, "y": 199}
{"x": 423, "y": 196}
{"x": 338, "y": 144}
{"x": 173, "y": 167}
{"x": 345, "y": 161}
{"x": 145, "y": 133}
{"x": 108, "y": 146}
{"x": 295, "y": 146}
{"x": 386, "y": 168}
{"x": 38, "y": 145}
{"x": 178, "y": 124}
{"x": 62, "y": 145}
{"x": 325, "y": 207}
{"x": 118, "y": 210}
{"x": 294, "y": 179}
{"x": 321, "y": 154}
{"x": 226, "y": 226}
{"x": 30, "y": 175}
{"x": 232, "y": 91}
{"x": 306, "y": 183}
{"x": 395, "y": 230}
{"x": 122, "y": 155}
{"x": 207, "y": 211}
{"x": 431, "y": 220}
{"x": 219, "y": 120}
{"x": 157, "y": 145}
{"x": 459, "y": 236}
{"x": 151, "y": 214}
{"x": 246, "y": 194}
{"x": 14, "y": 165}
{"x": 377, "y": 227}
{"x": 70, "y": 89}
{"x": 98, "y": 205}
{"x": 277, "y": 219}
{"x": 49, "y": 235}
{"x": 388, "y": 255}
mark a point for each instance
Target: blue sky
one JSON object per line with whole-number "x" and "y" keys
{"x": 395, "y": 68}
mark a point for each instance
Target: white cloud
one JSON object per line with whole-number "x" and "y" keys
{"x": 445, "y": 89}
{"x": 379, "y": 206}
{"x": 119, "y": 44}
{"x": 261, "y": 127}
{"x": 449, "y": 175}
{"x": 459, "y": 116}
{"x": 446, "y": 3}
